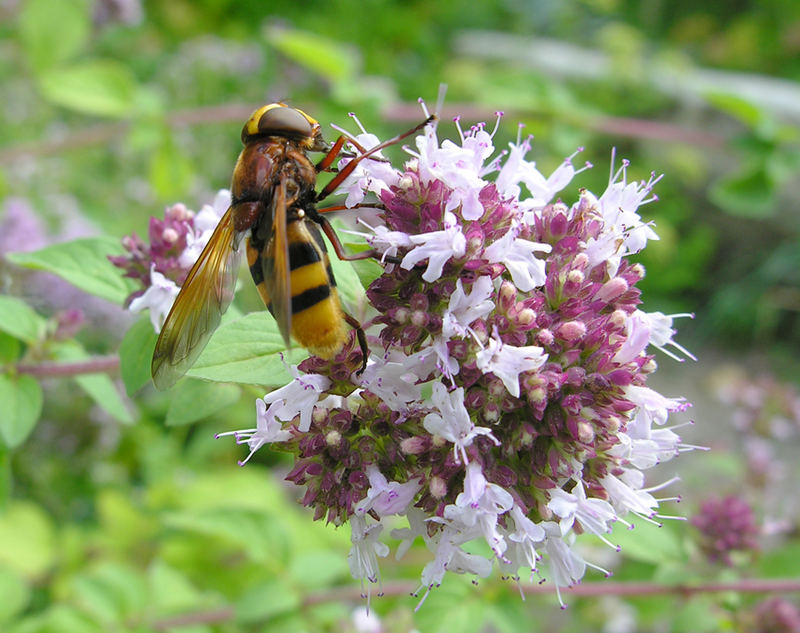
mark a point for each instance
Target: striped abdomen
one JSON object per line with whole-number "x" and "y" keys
{"x": 315, "y": 317}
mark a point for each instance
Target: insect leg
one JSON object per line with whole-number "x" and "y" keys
{"x": 348, "y": 169}
{"x": 362, "y": 340}
{"x": 339, "y": 249}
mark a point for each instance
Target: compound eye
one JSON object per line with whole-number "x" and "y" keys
{"x": 284, "y": 121}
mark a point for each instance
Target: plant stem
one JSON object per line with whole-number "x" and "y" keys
{"x": 96, "y": 365}
{"x": 604, "y": 588}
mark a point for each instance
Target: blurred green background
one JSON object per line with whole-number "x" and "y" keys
{"x": 111, "y": 110}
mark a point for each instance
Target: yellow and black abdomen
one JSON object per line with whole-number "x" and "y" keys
{"x": 315, "y": 317}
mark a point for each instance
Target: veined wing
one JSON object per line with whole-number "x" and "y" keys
{"x": 198, "y": 308}
{"x": 277, "y": 272}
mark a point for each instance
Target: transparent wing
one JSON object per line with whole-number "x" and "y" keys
{"x": 204, "y": 297}
{"x": 276, "y": 266}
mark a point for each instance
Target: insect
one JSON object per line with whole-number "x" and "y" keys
{"x": 274, "y": 202}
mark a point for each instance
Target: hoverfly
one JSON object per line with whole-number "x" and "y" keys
{"x": 274, "y": 202}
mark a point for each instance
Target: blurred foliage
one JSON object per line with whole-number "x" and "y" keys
{"x": 112, "y": 109}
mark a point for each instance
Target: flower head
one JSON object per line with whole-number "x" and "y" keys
{"x": 506, "y": 398}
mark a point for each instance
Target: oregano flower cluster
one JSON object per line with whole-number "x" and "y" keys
{"x": 505, "y": 399}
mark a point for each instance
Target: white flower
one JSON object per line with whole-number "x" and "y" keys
{"x": 517, "y": 255}
{"x": 417, "y": 526}
{"x": 460, "y": 167}
{"x": 464, "y": 309}
{"x": 507, "y": 362}
{"x": 453, "y": 422}
{"x": 618, "y": 205}
{"x": 393, "y": 382}
{"x": 298, "y": 397}
{"x": 522, "y": 542}
{"x": 386, "y": 498}
{"x": 437, "y": 247}
{"x": 371, "y": 174}
{"x": 204, "y": 223}
{"x": 652, "y": 404}
{"x": 365, "y": 549}
{"x": 543, "y": 189}
{"x": 627, "y": 498}
{"x": 267, "y": 430}
{"x": 566, "y": 567}
{"x": 383, "y": 240}
{"x": 593, "y": 515}
{"x": 637, "y": 339}
{"x": 661, "y": 332}
{"x": 450, "y": 557}
{"x": 158, "y": 298}
{"x": 479, "y": 506}
{"x": 366, "y": 621}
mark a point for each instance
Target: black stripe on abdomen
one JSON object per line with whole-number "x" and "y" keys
{"x": 310, "y": 297}
{"x": 302, "y": 253}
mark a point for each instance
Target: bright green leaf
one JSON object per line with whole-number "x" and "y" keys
{"x": 83, "y": 263}
{"x": 22, "y": 404}
{"x": 267, "y": 600}
{"x": 749, "y": 193}
{"x": 329, "y": 58}
{"x": 53, "y": 32}
{"x": 193, "y": 400}
{"x": 649, "y": 543}
{"x": 66, "y": 618}
{"x": 742, "y": 109}
{"x": 101, "y": 87}
{"x": 19, "y": 320}
{"x": 317, "y": 568}
{"x": 247, "y": 351}
{"x": 136, "y": 354}
{"x": 780, "y": 562}
{"x": 259, "y": 534}
{"x": 27, "y": 540}
{"x": 99, "y": 387}
{"x": 10, "y": 348}
{"x": 111, "y": 592}
{"x": 171, "y": 170}
{"x": 171, "y": 590}
{"x": 15, "y": 592}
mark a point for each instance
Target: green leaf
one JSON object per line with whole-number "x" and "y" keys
{"x": 267, "y": 600}
{"x": 742, "y": 109}
{"x": 111, "y": 592}
{"x": 83, "y": 263}
{"x": 171, "y": 590}
{"x": 780, "y": 562}
{"x": 22, "y": 404}
{"x": 649, "y": 543}
{"x": 193, "y": 400}
{"x": 136, "y": 354}
{"x": 19, "y": 320}
{"x": 27, "y": 540}
{"x": 317, "y": 568}
{"x": 10, "y": 348}
{"x": 259, "y": 534}
{"x": 53, "y": 32}
{"x": 749, "y": 193}
{"x": 101, "y": 87}
{"x": 15, "y": 592}
{"x": 99, "y": 387}
{"x": 247, "y": 351}
{"x": 327, "y": 57}
{"x": 171, "y": 170}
